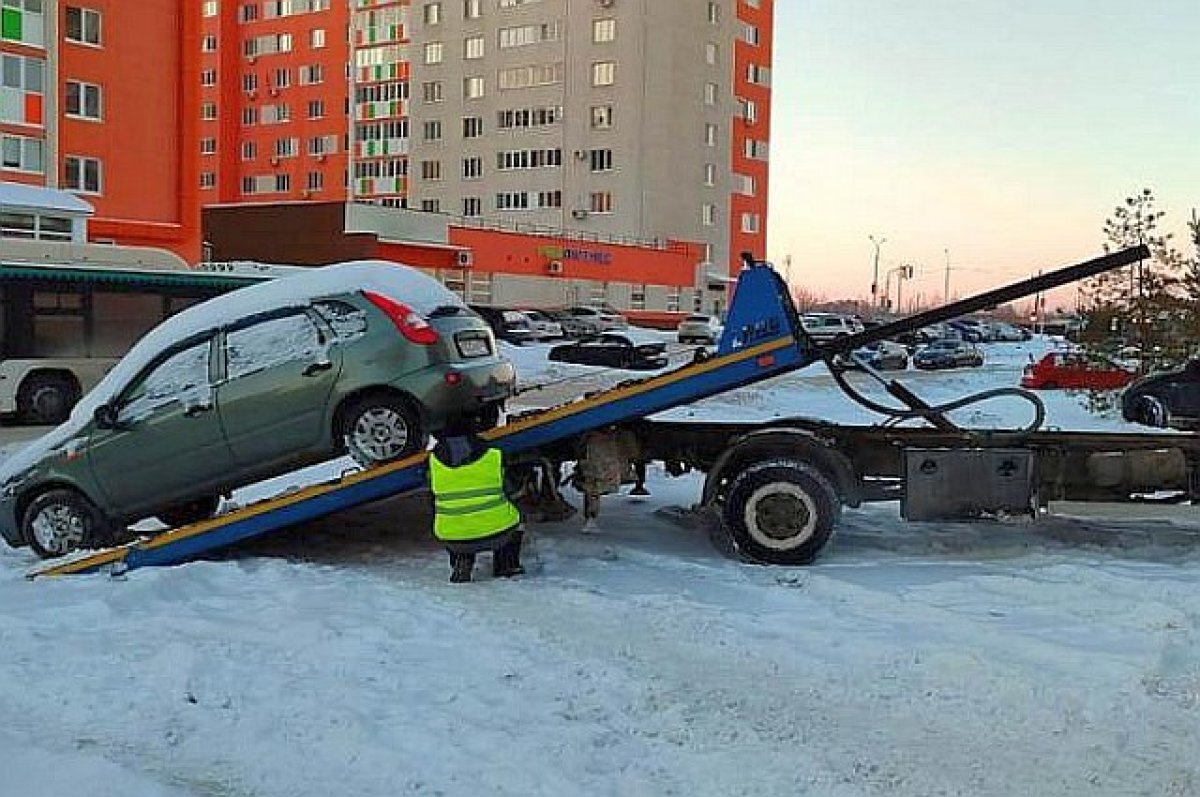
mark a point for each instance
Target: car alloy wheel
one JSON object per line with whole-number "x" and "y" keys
{"x": 381, "y": 429}
{"x": 61, "y": 521}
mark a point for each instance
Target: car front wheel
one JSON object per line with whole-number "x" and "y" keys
{"x": 61, "y": 521}
{"x": 381, "y": 428}
{"x": 1152, "y": 412}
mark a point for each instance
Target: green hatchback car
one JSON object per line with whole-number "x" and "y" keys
{"x": 363, "y": 358}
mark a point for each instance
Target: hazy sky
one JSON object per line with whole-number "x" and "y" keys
{"x": 1003, "y": 130}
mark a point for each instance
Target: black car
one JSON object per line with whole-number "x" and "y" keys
{"x": 510, "y": 325}
{"x": 947, "y": 353}
{"x": 615, "y": 350}
{"x": 1170, "y": 399}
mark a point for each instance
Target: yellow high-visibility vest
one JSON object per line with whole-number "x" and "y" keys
{"x": 469, "y": 501}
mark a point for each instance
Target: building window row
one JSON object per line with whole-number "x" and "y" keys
{"x": 266, "y": 184}
{"x": 520, "y": 118}
{"x": 288, "y": 8}
{"x": 35, "y": 227}
{"x": 517, "y": 3}
{"x": 523, "y": 77}
{"x": 382, "y": 131}
{"x": 267, "y": 45}
{"x": 22, "y": 153}
{"x": 83, "y": 26}
{"x": 524, "y": 35}
{"x": 23, "y": 21}
{"x": 382, "y": 92}
{"x": 381, "y": 168}
{"x": 526, "y": 200}
{"x": 528, "y": 159}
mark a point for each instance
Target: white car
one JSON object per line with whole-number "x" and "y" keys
{"x": 698, "y": 328}
{"x": 823, "y": 327}
{"x": 544, "y": 327}
{"x": 594, "y": 320}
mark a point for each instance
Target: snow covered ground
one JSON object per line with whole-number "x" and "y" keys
{"x": 1060, "y": 658}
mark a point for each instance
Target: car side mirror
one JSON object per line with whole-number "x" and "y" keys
{"x": 105, "y": 416}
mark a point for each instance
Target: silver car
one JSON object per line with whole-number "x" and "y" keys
{"x": 698, "y": 328}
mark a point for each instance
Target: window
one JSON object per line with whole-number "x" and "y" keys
{"x": 601, "y": 160}
{"x": 208, "y": 77}
{"x": 208, "y": 146}
{"x": 524, "y": 35}
{"x": 472, "y": 126}
{"x": 315, "y": 181}
{"x": 286, "y": 147}
{"x": 714, "y": 12}
{"x": 271, "y": 343}
{"x": 472, "y": 168}
{"x": 209, "y": 9}
{"x": 81, "y": 174}
{"x": 433, "y": 52}
{"x": 710, "y": 53}
{"x": 743, "y": 184}
{"x": 472, "y": 206}
{"x": 750, "y": 222}
{"x": 710, "y": 93}
{"x": 431, "y": 170}
{"x": 512, "y": 200}
{"x": 749, "y": 33}
{"x": 248, "y": 12}
{"x": 604, "y": 73}
{"x": 208, "y": 44}
{"x": 309, "y": 75}
{"x": 602, "y": 117}
{"x": 600, "y": 202}
{"x": 179, "y": 379}
{"x": 756, "y": 150}
{"x": 83, "y": 100}
{"x": 473, "y": 47}
{"x": 208, "y": 180}
{"x": 549, "y": 199}
{"x": 208, "y": 111}
{"x": 472, "y": 9}
{"x": 431, "y": 205}
{"x": 316, "y": 38}
{"x": 249, "y": 82}
{"x": 249, "y": 116}
{"x": 431, "y": 91}
{"x": 432, "y": 13}
{"x": 316, "y": 109}
{"x": 749, "y": 110}
{"x": 710, "y": 135}
{"x": 604, "y": 30}
{"x": 23, "y": 74}
{"x": 249, "y": 150}
{"x": 710, "y": 174}
{"x": 708, "y": 214}
{"x": 758, "y": 75}
{"x": 432, "y": 130}
{"x": 83, "y": 25}
{"x": 283, "y": 78}
{"x": 21, "y": 153}
{"x": 473, "y": 87}
{"x": 283, "y": 182}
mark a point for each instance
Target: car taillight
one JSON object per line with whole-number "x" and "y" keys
{"x": 410, "y": 323}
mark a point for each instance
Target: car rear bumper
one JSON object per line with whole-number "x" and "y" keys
{"x": 466, "y": 388}
{"x": 10, "y": 530}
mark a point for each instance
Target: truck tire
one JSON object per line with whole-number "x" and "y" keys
{"x": 46, "y": 398}
{"x": 781, "y": 512}
{"x": 61, "y": 521}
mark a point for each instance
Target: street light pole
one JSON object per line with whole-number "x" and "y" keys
{"x": 875, "y": 278}
{"x": 946, "y": 290}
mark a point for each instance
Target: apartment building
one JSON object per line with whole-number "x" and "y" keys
{"x": 608, "y": 120}
{"x": 99, "y": 98}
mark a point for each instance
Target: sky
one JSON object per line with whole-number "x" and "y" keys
{"x": 1001, "y": 132}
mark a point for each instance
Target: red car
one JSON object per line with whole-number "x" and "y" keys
{"x": 1075, "y": 370}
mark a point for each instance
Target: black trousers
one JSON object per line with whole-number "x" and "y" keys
{"x": 505, "y": 548}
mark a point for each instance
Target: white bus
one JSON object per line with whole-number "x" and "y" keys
{"x": 69, "y": 311}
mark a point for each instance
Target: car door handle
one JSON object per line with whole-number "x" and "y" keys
{"x": 312, "y": 369}
{"x": 196, "y": 409}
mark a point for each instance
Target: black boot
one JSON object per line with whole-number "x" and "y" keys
{"x": 506, "y": 562}
{"x": 461, "y": 565}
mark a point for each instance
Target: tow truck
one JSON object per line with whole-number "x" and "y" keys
{"x": 773, "y": 491}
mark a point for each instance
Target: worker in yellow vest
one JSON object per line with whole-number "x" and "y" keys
{"x": 472, "y": 511}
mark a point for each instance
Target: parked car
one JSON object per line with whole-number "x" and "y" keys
{"x": 968, "y": 331}
{"x": 883, "y": 355}
{"x": 823, "y": 327}
{"x": 698, "y": 328}
{"x": 594, "y": 320}
{"x": 1170, "y": 399}
{"x": 363, "y": 358}
{"x": 615, "y": 350}
{"x": 543, "y": 326}
{"x": 1075, "y": 370}
{"x": 948, "y": 353}
{"x": 507, "y": 325}
{"x": 1010, "y": 333}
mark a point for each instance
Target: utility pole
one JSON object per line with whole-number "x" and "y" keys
{"x": 946, "y": 290}
{"x": 875, "y": 275}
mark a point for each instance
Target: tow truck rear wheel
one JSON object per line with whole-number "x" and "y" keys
{"x": 781, "y": 512}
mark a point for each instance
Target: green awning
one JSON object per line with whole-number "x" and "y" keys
{"x": 148, "y": 278}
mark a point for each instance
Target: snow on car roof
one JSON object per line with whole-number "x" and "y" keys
{"x": 403, "y": 283}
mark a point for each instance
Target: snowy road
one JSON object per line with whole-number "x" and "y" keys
{"x": 1055, "y": 659}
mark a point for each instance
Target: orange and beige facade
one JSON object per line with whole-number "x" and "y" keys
{"x": 631, "y": 124}
{"x": 99, "y": 98}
